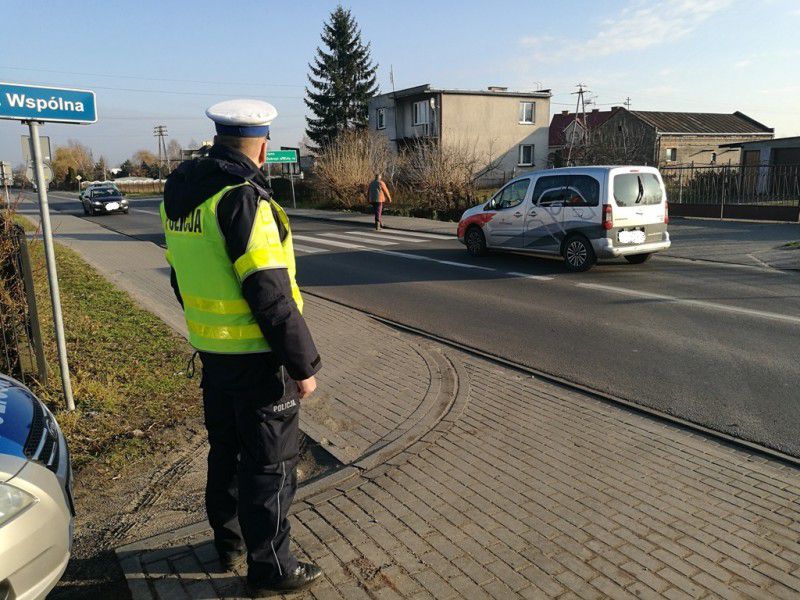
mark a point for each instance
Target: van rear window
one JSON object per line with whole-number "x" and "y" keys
{"x": 637, "y": 189}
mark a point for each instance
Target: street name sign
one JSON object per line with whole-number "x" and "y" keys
{"x": 34, "y": 105}
{"x": 23, "y": 102}
{"x": 281, "y": 156}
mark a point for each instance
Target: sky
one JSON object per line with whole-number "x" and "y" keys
{"x": 163, "y": 63}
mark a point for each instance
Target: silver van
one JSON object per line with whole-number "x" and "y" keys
{"x": 580, "y": 214}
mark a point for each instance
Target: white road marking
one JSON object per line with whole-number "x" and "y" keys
{"x": 433, "y": 236}
{"x": 383, "y": 237}
{"x": 690, "y": 302}
{"x": 149, "y": 212}
{"x": 528, "y": 276}
{"x": 307, "y": 249}
{"x": 308, "y": 238}
{"x": 722, "y": 265}
{"x": 436, "y": 260}
{"x": 357, "y": 238}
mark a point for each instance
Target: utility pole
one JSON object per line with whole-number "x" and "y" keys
{"x": 580, "y": 113}
{"x": 627, "y": 103}
{"x": 160, "y": 131}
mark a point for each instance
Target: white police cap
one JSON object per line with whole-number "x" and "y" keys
{"x": 242, "y": 118}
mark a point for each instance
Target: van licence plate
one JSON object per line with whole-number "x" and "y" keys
{"x": 631, "y": 236}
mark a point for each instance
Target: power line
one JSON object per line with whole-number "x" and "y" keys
{"x": 117, "y": 76}
{"x": 217, "y": 95}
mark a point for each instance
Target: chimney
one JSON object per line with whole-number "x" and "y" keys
{"x": 565, "y": 112}
{"x": 497, "y": 88}
{"x": 594, "y": 110}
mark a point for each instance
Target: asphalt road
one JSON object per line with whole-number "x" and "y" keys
{"x": 711, "y": 343}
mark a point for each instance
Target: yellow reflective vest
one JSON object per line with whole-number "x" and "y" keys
{"x": 217, "y": 315}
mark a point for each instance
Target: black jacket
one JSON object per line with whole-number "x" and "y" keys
{"x": 268, "y": 292}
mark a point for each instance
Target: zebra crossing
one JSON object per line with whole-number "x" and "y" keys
{"x": 329, "y": 241}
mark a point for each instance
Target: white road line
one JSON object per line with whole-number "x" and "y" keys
{"x": 690, "y": 302}
{"x": 714, "y": 264}
{"x": 528, "y": 276}
{"x": 433, "y": 236}
{"x": 344, "y": 236}
{"x": 307, "y": 238}
{"x": 149, "y": 212}
{"x": 436, "y": 260}
{"x": 383, "y": 237}
{"x": 307, "y": 249}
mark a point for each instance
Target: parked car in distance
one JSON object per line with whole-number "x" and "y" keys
{"x": 104, "y": 200}
{"x": 91, "y": 186}
{"x": 580, "y": 214}
{"x": 36, "y": 508}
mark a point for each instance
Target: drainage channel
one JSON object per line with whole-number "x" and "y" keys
{"x": 561, "y": 382}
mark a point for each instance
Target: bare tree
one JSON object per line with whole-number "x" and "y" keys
{"x": 174, "y": 154}
{"x": 344, "y": 167}
{"x": 443, "y": 177}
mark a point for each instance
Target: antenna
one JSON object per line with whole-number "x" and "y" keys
{"x": 580, "y": 113}
{"x": 160, "y": 131}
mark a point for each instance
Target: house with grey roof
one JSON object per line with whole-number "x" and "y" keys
{"x": 507, "y": 129}
{"x": 684, "y": 138}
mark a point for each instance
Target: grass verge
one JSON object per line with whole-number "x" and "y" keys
{"x": 127, "y": 367}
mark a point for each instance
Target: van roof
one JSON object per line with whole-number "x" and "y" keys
{"x": 590, "y": 170}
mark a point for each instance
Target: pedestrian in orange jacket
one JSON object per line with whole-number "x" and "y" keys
{"x": 377, "y": 194}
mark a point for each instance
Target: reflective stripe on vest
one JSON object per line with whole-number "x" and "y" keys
{"x": 217, "y": 315}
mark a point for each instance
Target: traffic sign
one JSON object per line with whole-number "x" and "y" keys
{"x": 23, "y": 102}
{"x": 281, "y": 156}
{"x": 30, "y": 172}
{"x": 5, "y": 171}
{"x": 27, "y": 153}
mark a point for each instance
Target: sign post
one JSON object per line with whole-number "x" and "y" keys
{"x": 34, "y": 105}
{"x": 284, "y": 156}
{"x": 6, "y": 175}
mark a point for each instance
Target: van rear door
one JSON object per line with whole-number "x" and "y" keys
{"x": 639, "y": 205}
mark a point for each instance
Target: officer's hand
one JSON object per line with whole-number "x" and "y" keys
{"x": 307, "y": 386}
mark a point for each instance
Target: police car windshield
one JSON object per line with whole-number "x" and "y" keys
{"x": 637, "y": 189}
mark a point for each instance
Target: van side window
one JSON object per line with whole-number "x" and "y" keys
{"x": 512, "y": 195}
{"x": 573, "y": 190}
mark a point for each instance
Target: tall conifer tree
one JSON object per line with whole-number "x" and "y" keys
{"x": 342, "y": 80}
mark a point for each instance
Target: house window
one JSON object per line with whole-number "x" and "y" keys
{"x": 672, "y": 154}
{"x": 421, "y": 112}
{"x": 527, "y": 112}
{"x": 713, "y": 158}
{"x": 381, "y": 118}
{"x": 526, "y": 155}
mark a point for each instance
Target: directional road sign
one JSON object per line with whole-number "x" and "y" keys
{"x": 281, "y": 156}
{"x": 23, "y": 102}
{"x": 30, "y": 172}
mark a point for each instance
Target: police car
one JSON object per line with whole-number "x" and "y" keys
{"x": 36, "y": 508}
{"x": 580, "y": 214}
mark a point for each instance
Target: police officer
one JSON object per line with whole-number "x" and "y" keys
{"x": 233, "y": 271}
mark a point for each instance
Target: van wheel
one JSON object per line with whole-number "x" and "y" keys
{"x": 578, "y": 254}
{"x": 637, "y": 259}
{"x": 475, "y": 241}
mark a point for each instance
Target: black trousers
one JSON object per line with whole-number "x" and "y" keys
{"x": 252, "y": 417}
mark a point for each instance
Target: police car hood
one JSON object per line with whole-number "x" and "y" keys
{"x": 195, "y": 181}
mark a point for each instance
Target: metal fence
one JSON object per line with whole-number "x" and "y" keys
{"x": 21, "y": 347}
{"x": 760, "y": 185}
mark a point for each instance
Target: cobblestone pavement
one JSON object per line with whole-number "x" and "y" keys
{"x": 467, "y": 479}
{"x": 522, "y": 489}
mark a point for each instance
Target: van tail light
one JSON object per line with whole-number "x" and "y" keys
{"x": 666, "y": 212}
{"x": 608, "y": 216}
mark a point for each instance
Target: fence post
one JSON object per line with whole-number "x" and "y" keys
{"x": 722, "y": 198}
{"x": 34, "y": 325}
{"x": 680, "y": 185}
